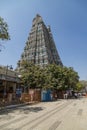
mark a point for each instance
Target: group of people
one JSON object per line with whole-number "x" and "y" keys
{"x": 70, "y": 94}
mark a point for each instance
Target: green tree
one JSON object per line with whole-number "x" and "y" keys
{"x": 52, "y": 76}
{"x": 61, "y": 77}
{"x": 71, "y": 77}
{"x": 82, "y": 85}
{"x": 4, "y": 35}
{"x": 79, "y": 86}
{"x": 32, "y": 76}
{"x": 53, "y": 73}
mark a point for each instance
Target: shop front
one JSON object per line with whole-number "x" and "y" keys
{"x": 9, "y": 82}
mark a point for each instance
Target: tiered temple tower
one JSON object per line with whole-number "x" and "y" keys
{"x": 40, "y": 47}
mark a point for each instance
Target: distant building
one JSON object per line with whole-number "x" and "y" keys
{"x": 40, "y": 47}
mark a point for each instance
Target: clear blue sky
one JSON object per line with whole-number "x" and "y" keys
{"x": 68, "y": 21}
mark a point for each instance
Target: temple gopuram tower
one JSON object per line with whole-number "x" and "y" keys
{"x": 40, "y": 47}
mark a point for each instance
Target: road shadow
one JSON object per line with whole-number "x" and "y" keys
{"x": 25, "y": 110}
{"x": 30, "y": 109}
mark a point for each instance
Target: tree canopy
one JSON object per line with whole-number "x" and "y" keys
{"x": 52, "y": 76}
{"x": 82, "y": 85}
{"x": 4, "y": 35}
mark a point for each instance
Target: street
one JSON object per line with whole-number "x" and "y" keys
{"x": 57, "y": 115}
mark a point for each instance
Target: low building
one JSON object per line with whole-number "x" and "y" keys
{"x": 9, "y": 82}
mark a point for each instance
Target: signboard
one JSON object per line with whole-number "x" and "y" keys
{"x": 18, "y": 92}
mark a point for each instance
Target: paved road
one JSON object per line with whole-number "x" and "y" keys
{"x": 59, "y": 115}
